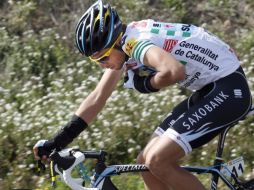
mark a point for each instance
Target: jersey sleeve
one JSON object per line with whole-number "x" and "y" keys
{"x": 135, "y": 44}
{"x": 140, "y": 49}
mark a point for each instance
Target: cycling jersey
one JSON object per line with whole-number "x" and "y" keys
{"x": 205, "y": 56}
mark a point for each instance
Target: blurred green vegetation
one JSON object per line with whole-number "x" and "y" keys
{"x": 43, "y": 80}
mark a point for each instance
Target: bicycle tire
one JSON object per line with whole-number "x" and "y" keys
{"x": 247, "y": 185}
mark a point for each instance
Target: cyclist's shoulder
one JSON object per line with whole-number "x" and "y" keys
{"x": 152, "y": 29}
{"x": 136, "y": 31}
{"x": 151, "y": 23}
{"x": 139, "y": 24}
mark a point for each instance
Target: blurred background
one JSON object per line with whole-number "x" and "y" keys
{"x": 43, "y": 79}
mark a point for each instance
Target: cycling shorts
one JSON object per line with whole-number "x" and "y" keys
{"x": 208, "y": 111}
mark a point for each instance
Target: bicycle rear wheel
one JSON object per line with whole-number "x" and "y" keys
{"x": 247, "y": 185}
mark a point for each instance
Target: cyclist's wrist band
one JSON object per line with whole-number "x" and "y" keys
{"x": 149, "y": 85}
{"x": 143, "y": 84}
{"x": 70, "y": 131}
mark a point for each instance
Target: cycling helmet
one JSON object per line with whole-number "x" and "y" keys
{"x": 97, "y": 29}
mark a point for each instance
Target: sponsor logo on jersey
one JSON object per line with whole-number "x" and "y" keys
{"x": 168, "y": 25}
{"x": 199, "y": 54}
{"x": 169, "y": 44}
{"x": 186, "y": 34}
{"x": 171, "y": 33}
{"x": 191, "y": 80}
{"x": 141, "y": 24}
{"x": 202, "y": 59}
{"x": 186, "y": 27}
{"x": 205, "y": 51}
{"x": 130, "y": 45}
{"x": 238, "y": 93}
{"x": 158, "y": 25}
{"x": 203, "y": 111}
{"x": 171, "y": 123}
{"x": 155, "y": 31}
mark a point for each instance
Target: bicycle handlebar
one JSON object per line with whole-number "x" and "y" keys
{"x": 67, "y": 159}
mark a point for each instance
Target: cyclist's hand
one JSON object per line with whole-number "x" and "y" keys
{"x": 128, "y": 80}
{"x": 42, "y": 149}
{"x": 139, "y": 83}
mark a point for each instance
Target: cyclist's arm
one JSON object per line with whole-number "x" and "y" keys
{"x": 96, "y": 100}
{"x": 170, "y": 71}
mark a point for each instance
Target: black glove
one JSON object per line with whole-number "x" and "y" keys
{"x": 44, "y": 148}
{"x": 139, "y": 83}
{"x": 143, "y": 84}
{"x": 64, "y": 137}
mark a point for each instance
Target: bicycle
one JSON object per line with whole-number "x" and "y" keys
{"x": 63, "y": 162}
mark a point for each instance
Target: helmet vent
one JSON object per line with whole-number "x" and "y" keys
{"x": 107, "y": 21}
{"x": 116, "y": 19}
{"x": 96, "y": 26}
{"x": 96, "y": 43}
{"x": 105, "y": 36}
{"x": 87, "y": 33}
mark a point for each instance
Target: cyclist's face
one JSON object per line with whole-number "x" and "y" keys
{"x": 112, "y": 58}
{"x": 114, "y": 61}
{"x": 102, "y": 56}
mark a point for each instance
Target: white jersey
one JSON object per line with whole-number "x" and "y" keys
{"x": 205, "y": 56}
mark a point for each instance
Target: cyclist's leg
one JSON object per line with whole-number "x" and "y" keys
{"x": 198, "y": 125}
{"x": 162, "y": 160}
{"x": 151, "y": 182}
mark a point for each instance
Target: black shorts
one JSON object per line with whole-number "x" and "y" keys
{"x": 208, "y": 111}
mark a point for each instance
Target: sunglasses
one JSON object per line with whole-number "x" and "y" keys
{"x": 105, "y": 56}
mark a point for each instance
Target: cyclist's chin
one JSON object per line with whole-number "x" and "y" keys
{"x": 115, "y": 69}
{"x": 118, "y": 66}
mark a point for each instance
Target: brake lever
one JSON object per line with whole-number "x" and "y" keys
{"x": 53, "y": 173}
{"x": 40, "y": 167}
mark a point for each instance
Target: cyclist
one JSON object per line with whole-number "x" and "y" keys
{"x": 154, "y": 55}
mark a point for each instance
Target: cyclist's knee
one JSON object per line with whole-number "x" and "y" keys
{"x": 153, "y": 162}
{"x": 142, "y": 155}
{"x": 159, "y": 161}
{"x": 158, "y": 166}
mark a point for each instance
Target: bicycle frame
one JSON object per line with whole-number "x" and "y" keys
{"x": 214, "y": 170}
{"x": 69, "y": 158}
{"x": 101, "y": 179}
{"x": 116, "y": 170}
